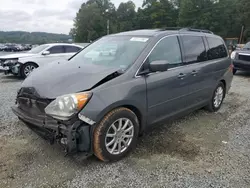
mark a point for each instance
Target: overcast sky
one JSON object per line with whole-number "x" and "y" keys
{"x": 54, "y": 16}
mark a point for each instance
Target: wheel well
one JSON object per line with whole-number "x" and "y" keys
{"x": 224, "y": 83}
{"x": 32, "y": 63}
{"x": 137, "y": 113}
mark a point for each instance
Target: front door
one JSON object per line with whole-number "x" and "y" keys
{"x": 167, "y": 92}
{"x": 57, "y": 53}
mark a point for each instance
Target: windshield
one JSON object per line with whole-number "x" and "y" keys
{"x": 38, "y": 49}
{"x": 113, "y": 51}
{"x": 247, "y": 46}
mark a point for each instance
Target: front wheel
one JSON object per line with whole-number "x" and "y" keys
{"x": 116, "y": 135}
{"x": 217, "y": 99}
{"x": 26, "y": 69}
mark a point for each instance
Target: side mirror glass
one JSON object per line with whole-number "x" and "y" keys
{"x": 46, "y": 53}
{"x": 160, "y": 66}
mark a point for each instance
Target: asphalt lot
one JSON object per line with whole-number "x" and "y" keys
{"x": 200, "y": 150}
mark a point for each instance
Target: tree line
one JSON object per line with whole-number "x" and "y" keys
{"x": 20, "y": 37}
{"x": 223, "y": 17}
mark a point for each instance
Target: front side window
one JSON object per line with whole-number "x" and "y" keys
{"x": 194, "y": 49}
{"x": 167, "y": 49}
{"x": 216, "y": 48}
{"x": 112, "y": 51}
{"x": 56, "y": 50}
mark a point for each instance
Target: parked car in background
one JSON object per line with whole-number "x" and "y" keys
{"x": 100, "y": 102}
{"x": 15, "y": 47}
{"x": 26, "y": 47}
{"x": 11, "y": 48}
{"x": 241, "y": 58}
{"x": 2, "y": 47}
{"x": 23, "y": 63}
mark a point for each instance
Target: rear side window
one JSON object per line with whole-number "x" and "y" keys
{"x": 167, "y": 49}
{"x": 216, "y": 48}
{"x": 194, "y": 49}
{"x": 71, "y": 49}
{"x": 56, "y": 50}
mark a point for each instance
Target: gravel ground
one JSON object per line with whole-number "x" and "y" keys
{"x": 200, "y": 150}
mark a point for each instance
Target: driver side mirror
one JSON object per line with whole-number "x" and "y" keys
{"x": 160, "y": 66}
{"x": 46, "y": 53}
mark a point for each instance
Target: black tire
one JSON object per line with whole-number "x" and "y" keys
{"x": 234, "y": 71}
{"x": 99, "y": 140}
{"x": 211, "y": 106}
{"x": 24, "y": 66}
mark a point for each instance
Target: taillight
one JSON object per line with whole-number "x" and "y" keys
{"x": 231, "y": 67}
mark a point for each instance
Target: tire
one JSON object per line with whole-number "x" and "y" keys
{"x": 23, "y": 70}
{"x": 101, "y": 140}
{"x": 234, "y": 71}
{"x": 212, "y": 107}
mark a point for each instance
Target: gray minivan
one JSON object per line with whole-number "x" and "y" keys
{"x": 103, "y": 97}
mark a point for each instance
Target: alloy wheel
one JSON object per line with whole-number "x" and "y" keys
{"x": 28, "y": 69}
{"x": 218, "y": 96}
{"x": 119, "y": 136}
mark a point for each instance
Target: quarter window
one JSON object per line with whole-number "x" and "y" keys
{"x": 194, "y": 49}
{"x": 216, "y": 48}
{"x": 56, "y": 50}
{"x": 167, "y": 49}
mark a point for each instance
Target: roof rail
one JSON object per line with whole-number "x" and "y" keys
{"x": 171, "y": 28}
{"x": 196, "y": 30}
{"x": 187, "y": 29}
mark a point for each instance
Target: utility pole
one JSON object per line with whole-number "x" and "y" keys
{"x": 108, "y": 27}
{"x": 107, "y": 15}
{"x": 241, "y": 34}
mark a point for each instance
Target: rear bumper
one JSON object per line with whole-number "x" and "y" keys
{"x": 73, "y": 137}
{"x": 241, "y": 65}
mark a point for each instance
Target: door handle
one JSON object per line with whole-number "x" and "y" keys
{"x": 194, "y": 73}
{"x": 181, "y": 76}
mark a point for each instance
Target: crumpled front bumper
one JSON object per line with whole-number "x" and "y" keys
{"x": 11, "y": 69}
{"x": 73, "y": 137}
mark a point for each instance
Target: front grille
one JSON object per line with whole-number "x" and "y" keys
{"x": 244, "y": 57}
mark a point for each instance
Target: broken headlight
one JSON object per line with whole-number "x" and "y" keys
{"x": 63, "y": 107}
{"x": 11, "y": 62}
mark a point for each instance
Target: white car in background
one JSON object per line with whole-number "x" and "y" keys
{"x": 23, "y": 63}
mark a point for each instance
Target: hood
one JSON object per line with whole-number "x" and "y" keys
{"x": 243, "y": 51}
{"x": 65, "y": 77}
{"x": 16, "y": 55}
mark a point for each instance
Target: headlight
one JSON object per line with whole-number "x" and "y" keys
{"x": 11, "y": 62}
{"x": 233, "y": 54}
{"x": 65, "y": 106}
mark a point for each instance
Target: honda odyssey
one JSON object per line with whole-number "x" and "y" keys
{"x": 111, "y": 91}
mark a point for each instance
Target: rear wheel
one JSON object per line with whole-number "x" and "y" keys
{"x": 217, "y": 99}
{"x": 27, "y": 68}
{"x": 116, "y": 135}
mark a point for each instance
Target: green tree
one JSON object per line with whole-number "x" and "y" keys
{"x": 126, "y": 16}
{"x": 157, "y": 14}
{"x": 91, "y": 20}
{"x": 223, "y": 17}
{"x": 243, "y": 9}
